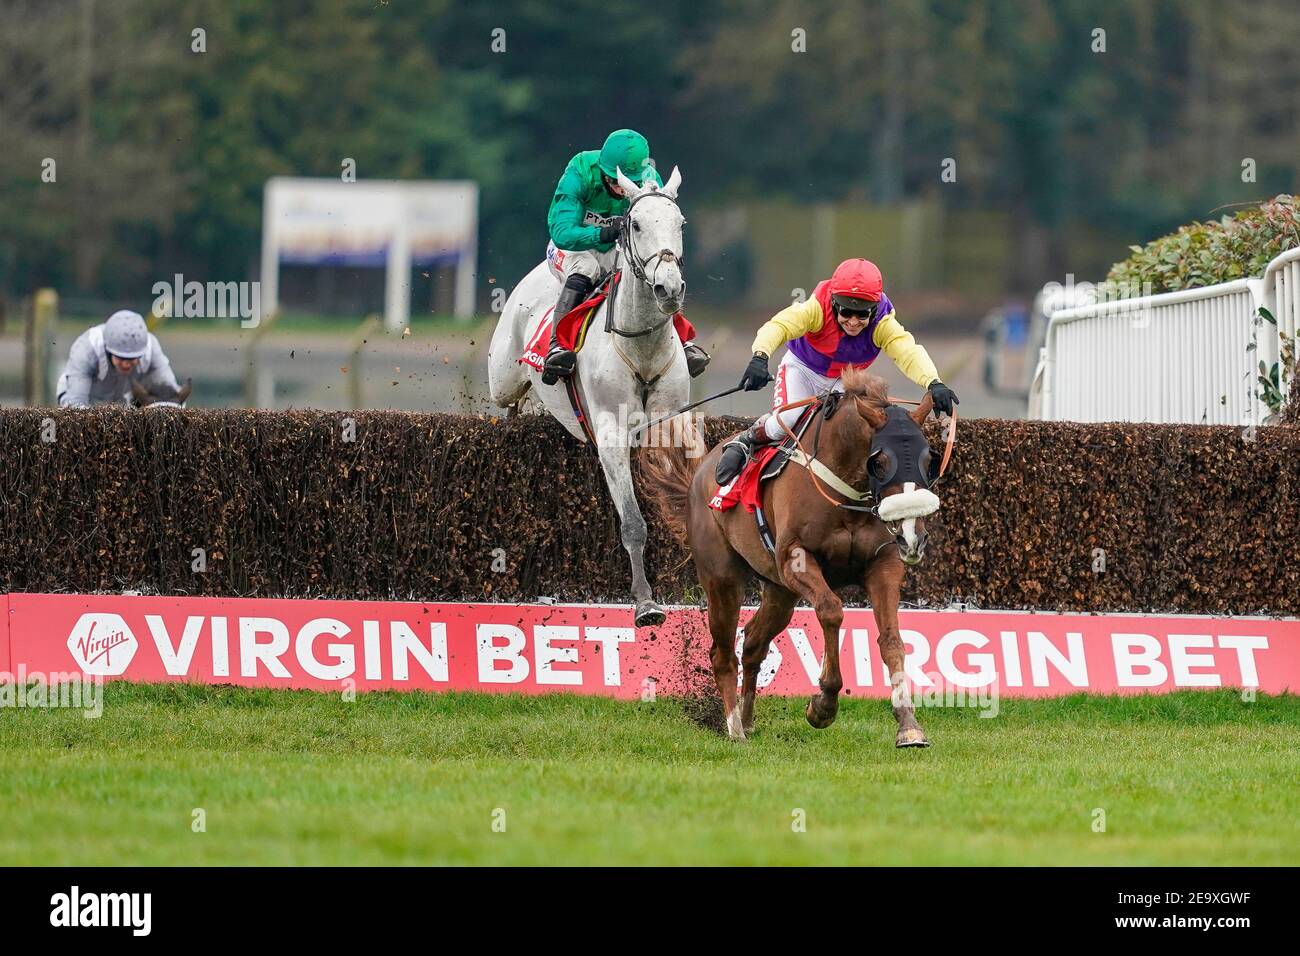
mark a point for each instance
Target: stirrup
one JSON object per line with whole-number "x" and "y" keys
{"x": 745, "y": 446}
{"x": 559, "y": 364}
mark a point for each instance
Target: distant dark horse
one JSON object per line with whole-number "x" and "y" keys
{"x": 856, "y": 524}
{"x": 143, "y": 398}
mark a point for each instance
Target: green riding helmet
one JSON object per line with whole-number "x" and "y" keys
{"x": 625, "y": 149}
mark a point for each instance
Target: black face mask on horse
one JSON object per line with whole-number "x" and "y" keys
{"x": 899, "y": 454}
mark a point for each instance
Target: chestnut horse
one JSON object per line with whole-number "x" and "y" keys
{"x": 851, "y": 515}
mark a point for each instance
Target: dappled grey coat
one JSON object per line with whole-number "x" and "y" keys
{"x": 89, "y": 378}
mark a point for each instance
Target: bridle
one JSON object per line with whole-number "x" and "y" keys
{"x": 642, "y": 270}
{"x": 815, "y": 467}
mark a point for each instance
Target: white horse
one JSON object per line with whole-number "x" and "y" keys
{"x": 627, "y": 376}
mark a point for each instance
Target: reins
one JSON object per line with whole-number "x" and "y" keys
{"x": 952, "y": 434}
{"x": 810, "y": 462}
{"x": 812, "y": 465}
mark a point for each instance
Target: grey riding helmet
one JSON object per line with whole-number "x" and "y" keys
{"x": 126, "y": 335}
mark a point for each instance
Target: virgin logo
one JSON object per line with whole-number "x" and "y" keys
{"x": 102, "y": 644}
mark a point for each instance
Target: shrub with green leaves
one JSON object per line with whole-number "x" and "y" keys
{"x": 1206, "y": 253}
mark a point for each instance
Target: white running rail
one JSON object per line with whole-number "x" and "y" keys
{"x": 1181, "y": 356}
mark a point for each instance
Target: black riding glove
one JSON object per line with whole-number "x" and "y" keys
{"x": 944, "y": 397}
{"x": 756, "y": 374}
{"x": 611, "y": 232}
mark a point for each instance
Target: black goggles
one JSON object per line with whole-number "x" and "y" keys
{"x": 866, "y": 311}
{"x": 123, "y": 358}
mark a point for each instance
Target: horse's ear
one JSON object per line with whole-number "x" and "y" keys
{"x": 140, "y": 394}
{"x": 630, "y": 189}
{"x": 674, "y": 183}
{"x": 874, "y": 414}
{"x": 923, "y": 409}
{"x": 184, "y": 392}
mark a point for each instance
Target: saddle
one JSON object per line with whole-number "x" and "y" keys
{"x": 768, "y": 462}
{"x": 572, "y": 329}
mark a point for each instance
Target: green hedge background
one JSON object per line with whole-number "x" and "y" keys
{"x": 1237, "y": 246}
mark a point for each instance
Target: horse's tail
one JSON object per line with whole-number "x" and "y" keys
{"x": 668, "y": 464}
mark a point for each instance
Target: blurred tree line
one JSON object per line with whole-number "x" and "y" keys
{"x": 161, "y": 153}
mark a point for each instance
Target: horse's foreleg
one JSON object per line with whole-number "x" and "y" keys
{"x": 803, "y": 575}
{"x": 616, "y": 462}
{"x": 724, "y": 610}
{"x": 884, "y": 583}
{"x": 770, "y": 620}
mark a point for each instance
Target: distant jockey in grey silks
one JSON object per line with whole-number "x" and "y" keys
{"x": 107, "y": 358}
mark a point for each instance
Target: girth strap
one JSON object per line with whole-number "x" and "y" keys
{"x": 764, "y": 530}
{"x": 579, "y": 411}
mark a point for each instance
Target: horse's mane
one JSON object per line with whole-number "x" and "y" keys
{"x": 860, "y": 382}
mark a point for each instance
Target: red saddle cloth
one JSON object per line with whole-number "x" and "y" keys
{"x": 744, "y": 487}
{"x": 573, "y": 327}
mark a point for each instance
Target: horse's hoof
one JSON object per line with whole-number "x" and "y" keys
{"x": 735, "y": 728}
{"x": 815, "y": 717}
{"x": 911, "y": 737}
{"x": 649, "y": 614}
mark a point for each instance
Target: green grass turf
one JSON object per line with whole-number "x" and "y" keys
{"x": 298, "y": 777}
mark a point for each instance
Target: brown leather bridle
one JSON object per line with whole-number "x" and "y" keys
{"x": 943, "y": 465}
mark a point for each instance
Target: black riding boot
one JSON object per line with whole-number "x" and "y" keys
{"x": 736, "y": 453}
{"x": 560, "y": 361}
{"x": 697, "y": 360}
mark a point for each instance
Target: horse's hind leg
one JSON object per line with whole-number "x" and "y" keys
{"x": 723, "y": 574}
{"x": 725, "y": 594}
{"x": 770, "y": 620}
{"x": 507, "y": 379}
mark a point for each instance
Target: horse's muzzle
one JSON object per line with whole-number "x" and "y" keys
{"x": 912, "y": 554}
{"x": 911, "y": 539}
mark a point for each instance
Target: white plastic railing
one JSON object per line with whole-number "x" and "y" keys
{"x": 1181, "y": 356}
{"x": 1280, "y": 294}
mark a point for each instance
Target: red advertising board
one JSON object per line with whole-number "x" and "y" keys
{"x": 4, "y": 634}
{"x": 594, "y": 649}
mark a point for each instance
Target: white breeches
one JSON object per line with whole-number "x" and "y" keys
{"x": 589, "y": 262}
{"x": 794, "y": 382}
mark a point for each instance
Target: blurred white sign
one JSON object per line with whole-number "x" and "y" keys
{"x": 372, "y": 223}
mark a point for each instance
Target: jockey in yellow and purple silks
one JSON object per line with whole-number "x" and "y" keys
{"x": 826, "y": 335}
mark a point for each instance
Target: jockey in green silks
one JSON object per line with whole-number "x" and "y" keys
{"x": 585, "y": 223}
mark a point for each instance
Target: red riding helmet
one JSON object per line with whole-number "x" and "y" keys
{"x": 856, "y": 284}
